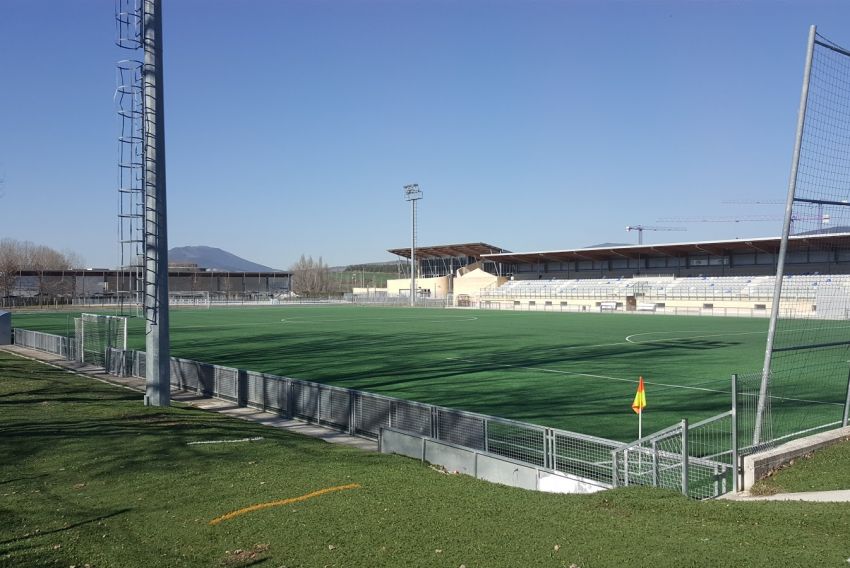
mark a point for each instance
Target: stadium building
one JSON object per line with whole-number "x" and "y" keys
{"x": 729, "y": 277}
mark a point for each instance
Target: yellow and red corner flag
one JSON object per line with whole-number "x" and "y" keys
{"x": 640, "y": 398}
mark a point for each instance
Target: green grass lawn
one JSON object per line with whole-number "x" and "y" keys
{"x": 826, "y": 469}
{"x": 90, "y": 476}
{"x": 573, "y": 371}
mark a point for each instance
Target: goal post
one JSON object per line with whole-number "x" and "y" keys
{"x": 96, "y": 333}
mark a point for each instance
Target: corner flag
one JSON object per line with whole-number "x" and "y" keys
{"x": 640, "y": 398}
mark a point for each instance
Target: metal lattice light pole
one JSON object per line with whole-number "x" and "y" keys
{"x": 413, "y": 194}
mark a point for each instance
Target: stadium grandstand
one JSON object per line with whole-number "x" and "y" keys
{"x": 729, "y": 277}
{"x": 439, "y": 267}
{"x": 732, "y": 277}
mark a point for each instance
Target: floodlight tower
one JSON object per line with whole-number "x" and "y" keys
{"x": 142, "y": 180}
{"x": 158, "y": 387}
{"x": 413, "y": 194}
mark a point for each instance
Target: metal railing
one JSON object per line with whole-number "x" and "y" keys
{"x": 363, "y": 414}
{"x": 694, "y": 459}
{"x": 58, "y": 345}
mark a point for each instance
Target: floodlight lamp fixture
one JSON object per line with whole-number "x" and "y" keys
{"x": 412, "y": 192}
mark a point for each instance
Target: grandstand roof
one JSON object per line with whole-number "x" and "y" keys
{"x": 475, "y": 250}
{"x": 768, "y": 245}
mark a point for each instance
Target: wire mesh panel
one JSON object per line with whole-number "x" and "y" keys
{"x": 226, "y": 382}
{"x": 371, "y": 413}
{"x": 335, "y": 407}
{"x": 46, "y": 342}
{"x": 522, "y": 442}
{"x": 585, "y": 456}
{"x": 266, "y": 391}
{"x": 140, "y": 368}
{"x": 803, "y": 384}
{"x": 712, "y": 438}
{"x": 412, "y": 417}
{"x": 188, "y": 374}
{"x": 305, "y": 400}
{"x": 461, "y": 428}
{"x": 655, "y": 461}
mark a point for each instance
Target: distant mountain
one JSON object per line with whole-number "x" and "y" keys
{"x": 609, "y": 245}
{"x": 215, "y": 259}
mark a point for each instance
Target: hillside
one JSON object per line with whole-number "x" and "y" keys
{"x": 215, "y": 259}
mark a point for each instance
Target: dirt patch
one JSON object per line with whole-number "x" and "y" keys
{"x": 239, "y": 557}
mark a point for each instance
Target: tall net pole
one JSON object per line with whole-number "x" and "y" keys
{"x": 803, "y": 383}
{"x": 783, "y": 245}
{"x": 412, "y": 193}
{"x": 157, "y": 388}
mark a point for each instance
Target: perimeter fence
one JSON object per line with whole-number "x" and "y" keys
{"x": 695, "y": 459}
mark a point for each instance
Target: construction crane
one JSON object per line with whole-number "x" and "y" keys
{"x": 823, "y": 219}
{"x": 641, "y": 228}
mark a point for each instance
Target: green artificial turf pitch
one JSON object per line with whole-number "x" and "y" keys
{"x": 90, "y": 476}
{"x": 567, "y": 370}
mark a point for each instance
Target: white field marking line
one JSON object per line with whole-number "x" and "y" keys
{"x": 628, "y": 338}
{"x": 445, "y": 319}
{"x": 686, "y": 387}
{"x": 560, "y": 372}
{"x": 225, "y": 441}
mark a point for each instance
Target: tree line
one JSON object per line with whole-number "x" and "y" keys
{"x": 314, "y": 278}
{"x": 18, "y": 256}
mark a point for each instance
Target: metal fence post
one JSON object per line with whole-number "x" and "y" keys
{"x": 846, "y": 403}
{"x": 654, "y": 463}
{"x": 290, "y": 403}
{"x": 626, "y": 467}
{"x": 615, "y": 466}
{"x": 352, "y": 412}
{"x": 735, "y": 481}
{"x": 685, "y": 456}
{"x": 435, "y": 426}
{"x": 318, "y": 404}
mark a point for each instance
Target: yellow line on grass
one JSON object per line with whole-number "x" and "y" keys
{"x": 280, "y": 502}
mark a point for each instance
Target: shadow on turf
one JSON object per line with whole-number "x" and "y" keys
{"x": 30, "y": 536}
{"x": 352, "y": 361}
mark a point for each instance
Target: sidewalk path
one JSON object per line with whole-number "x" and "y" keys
{"x": 199, "y": 401}
{"x": 839, "y": 496}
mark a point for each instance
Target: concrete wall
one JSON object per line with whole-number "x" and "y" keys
{"x": 471, "y": 283}
{"x": 482, "y": 465}
{"x": 757, "y": 466}
{"x": 434, "y": 288}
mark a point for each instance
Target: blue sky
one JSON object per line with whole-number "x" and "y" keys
{"x": 291, "y": 126}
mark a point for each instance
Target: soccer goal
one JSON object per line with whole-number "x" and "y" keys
{"x": 96, "y": 333}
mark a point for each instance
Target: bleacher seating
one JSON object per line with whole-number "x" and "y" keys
{"x": 655, "y": 289}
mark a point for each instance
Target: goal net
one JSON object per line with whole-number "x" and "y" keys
{"x": 96, "y": 333}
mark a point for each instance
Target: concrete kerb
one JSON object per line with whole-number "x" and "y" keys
{"x": 757, "y": 466}
{"x": 205, "y": 403}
